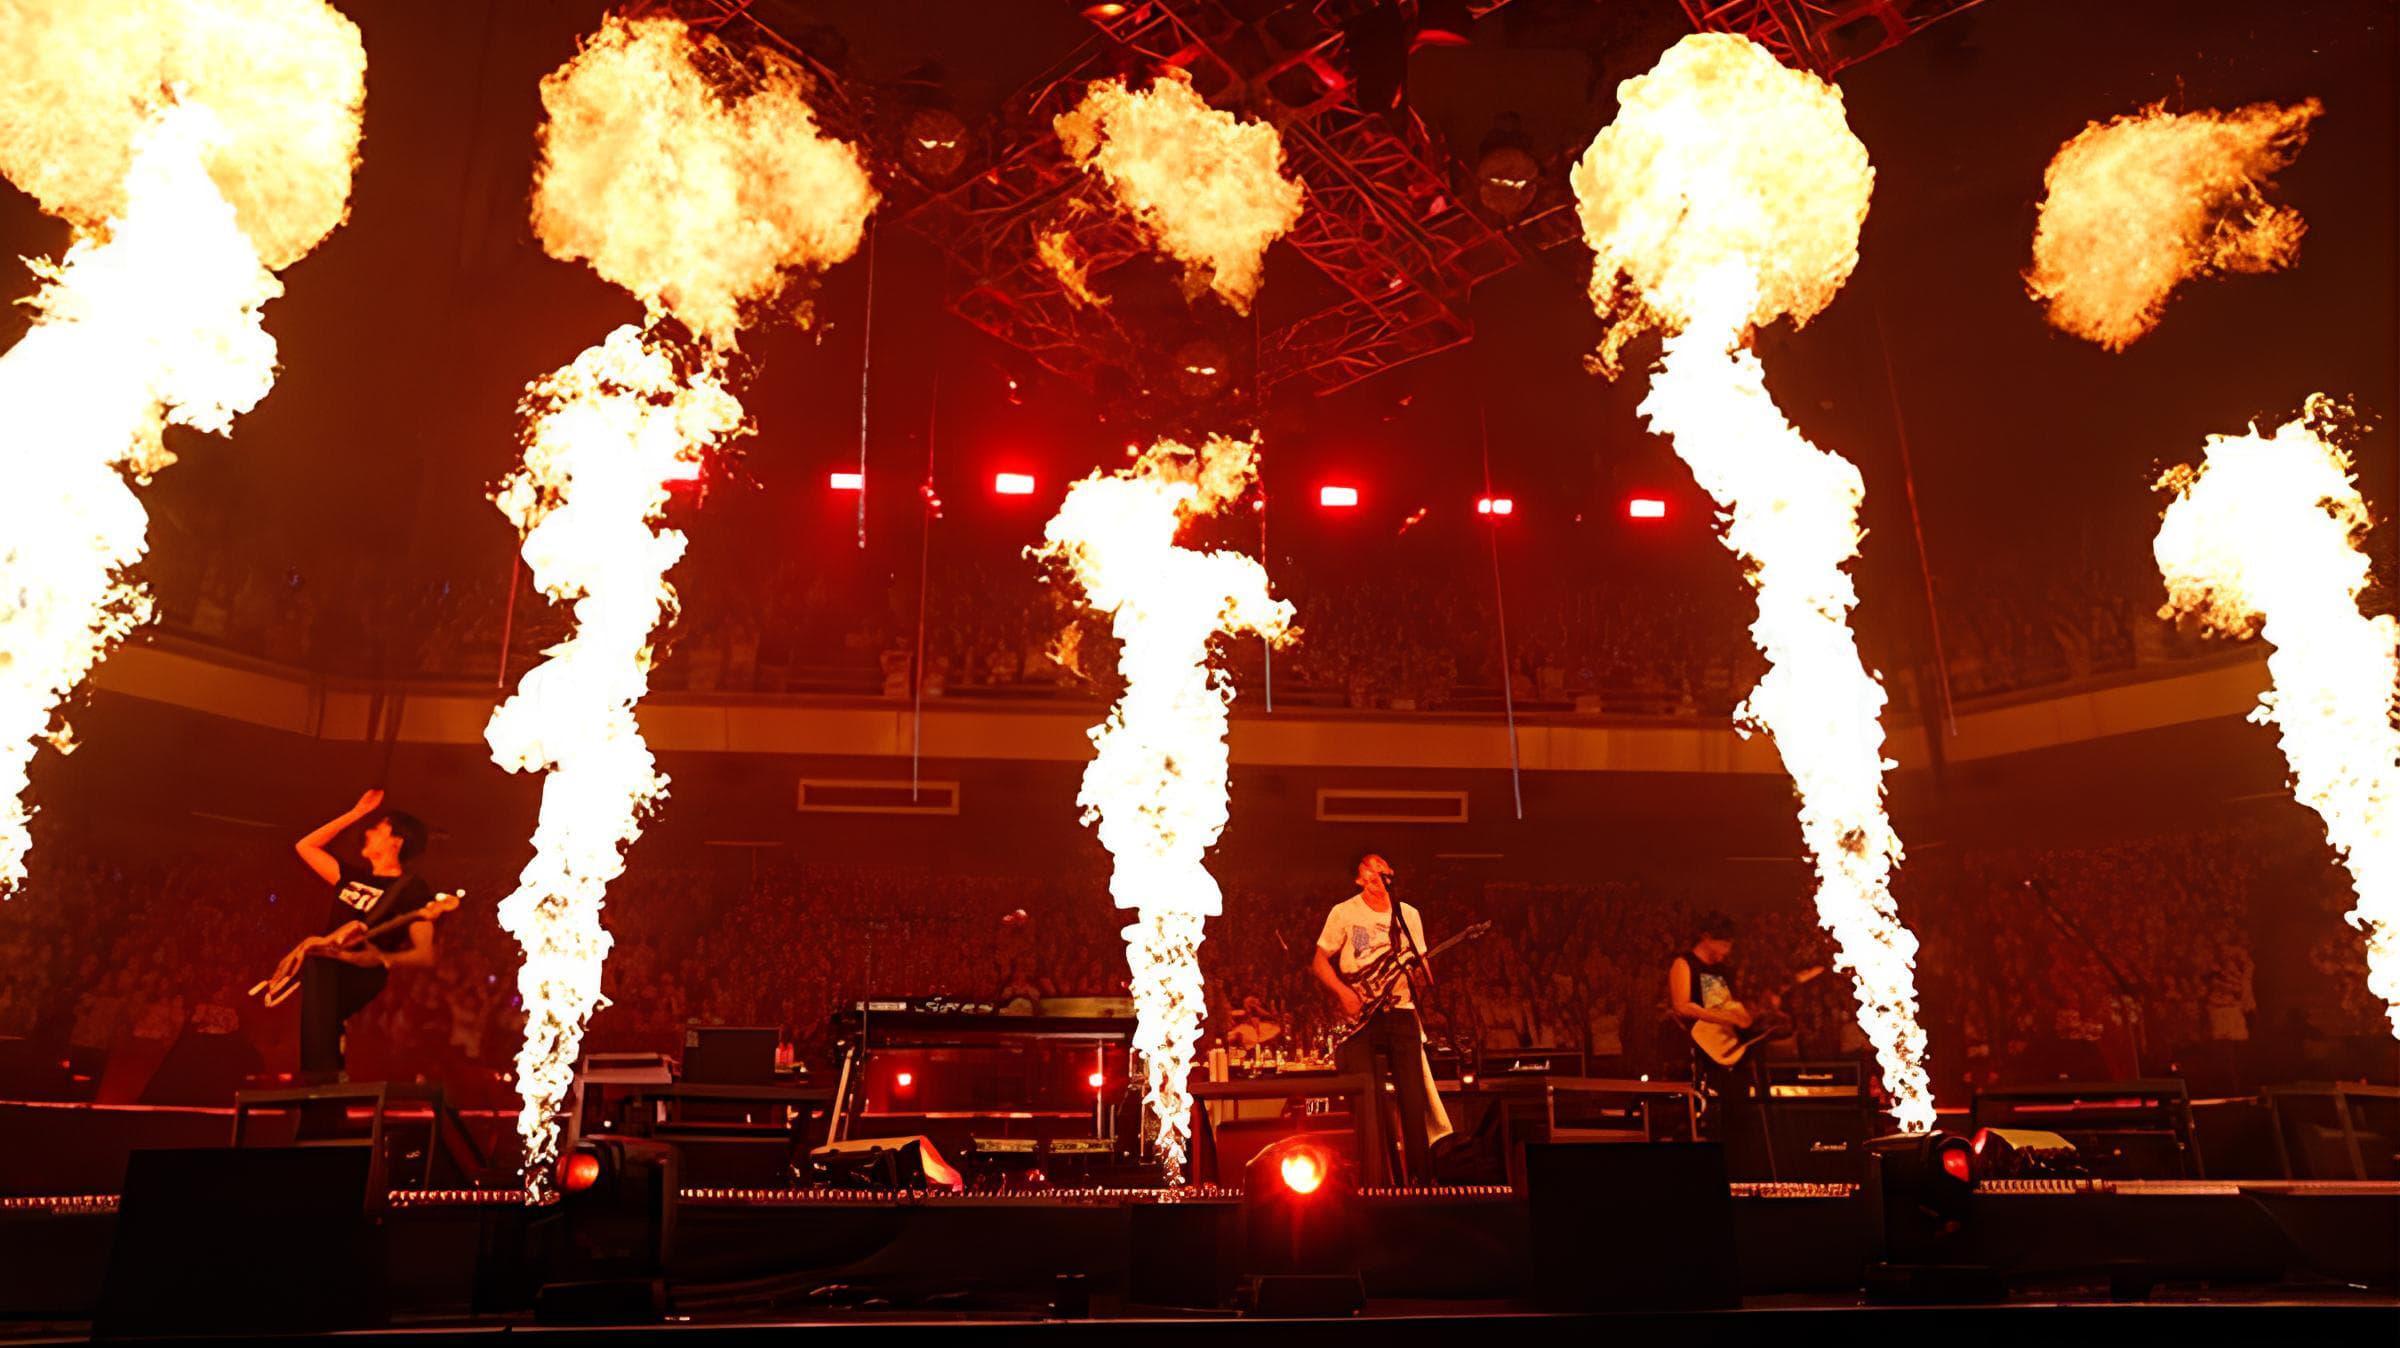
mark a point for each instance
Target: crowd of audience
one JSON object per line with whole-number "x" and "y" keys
{"x": 1419, "y": 637}
{"x": 2145, "y": 955}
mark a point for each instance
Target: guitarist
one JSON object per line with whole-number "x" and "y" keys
{"x": 1362, "y": 930}
{"x": 1700, "y": 990}
{"x": 337, "y": 984}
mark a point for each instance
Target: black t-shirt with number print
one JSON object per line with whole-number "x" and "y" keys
{"x": 363, "y": 896}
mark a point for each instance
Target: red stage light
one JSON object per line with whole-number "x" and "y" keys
{"x": 904, "y": 1080}
{"x": 847, "y": 481}
{"x": 1646, "y": 508}
{"x": 1337, "y": 498}
{"x": 1013, "y": 484}
{"x": 1096, "y": 1080}
{"x": 1959, "y": 1164}
{"x": 1303, "y": 1171}
{"x": 580, "y": 1171}
{"x": 1495, "y": 505}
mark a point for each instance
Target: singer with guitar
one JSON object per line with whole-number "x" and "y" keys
{"x": 338, "y": 981}
{"x": 1370, "y": 958}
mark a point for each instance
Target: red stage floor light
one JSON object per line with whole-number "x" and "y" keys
{"x": 1337, "y": 498}
{"x": 847, "y": 481}
{"x": 1646, "y": 508}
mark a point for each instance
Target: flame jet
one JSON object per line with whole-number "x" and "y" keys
{"x": 700, "y": 203}
{"x": 2135, "y": 207}
{"x": 194, "y": 145}
{"x": 1206, "y": 185}
{"x": 1156, "y": 786}
{"x": 1728, "y": 193}
{"x": 2263, "y": 538}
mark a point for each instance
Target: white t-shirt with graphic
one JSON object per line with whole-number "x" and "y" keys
{"x": 1356, "y": 935}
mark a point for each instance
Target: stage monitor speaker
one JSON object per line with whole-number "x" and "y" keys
{"x": 2120, "y": 1129}
{"x": 253, "y": 1241}
{"x": 1615, "y": 1226}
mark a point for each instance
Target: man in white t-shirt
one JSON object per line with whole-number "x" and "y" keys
{"x": 1358, "y": 944}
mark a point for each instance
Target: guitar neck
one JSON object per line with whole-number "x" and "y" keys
{"x": 393, "y": 924}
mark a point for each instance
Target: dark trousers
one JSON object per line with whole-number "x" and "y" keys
{"x": 331, "y": 992}
{"x": 1391, "y": 1048}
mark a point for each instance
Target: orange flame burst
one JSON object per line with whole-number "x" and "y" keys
{"x": 1156, "y": 786}
{"x": 2138, "y": 205}
{"x": 2264, "y": 537}
{"x": 1729, "y": 192}
{"x": 699, "y": 204}
{"x": 194, "y": 145}
{"x": 1207, "y": 185}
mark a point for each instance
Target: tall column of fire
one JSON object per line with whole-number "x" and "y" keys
{"x": 2263, "y": 538}
{"x": 1729, "y": 193}
{"x": 197, "y": 146}
{"x": 1156, "y": 785}
{"x": 701, "y": 204}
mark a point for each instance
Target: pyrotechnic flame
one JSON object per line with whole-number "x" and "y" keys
{"x": 2138, "y": 205}
{"x": 694, "y": 199}
{"x": 285, "y": 80}
{"x": 2263, "y": 537}
{"x": 1728, "y": 193}
{"x": 186, "y": 142}
{"x": 1207, "y": 185}
{"x": 1056, "y": 249}
{"x": 1156, "y": 786}
{"x": 698, "y": 205}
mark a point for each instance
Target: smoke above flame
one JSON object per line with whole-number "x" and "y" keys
{"x": 2140, "y": 204}
{"x": 2263, "y": 538}
{"x": 1156, "y": 785}
{"x": 699, "y": 204}
{"x": 695, "y": 199}
{"x": 193, "y": 146}
{"x": 1207, "y": 186}
{"x": 1729, "y": 192}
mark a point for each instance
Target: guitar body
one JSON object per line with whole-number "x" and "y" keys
{"x": 277, "y": 988}
{"x": 1725, "y": 1045}
{"x": 1379, "y": 984}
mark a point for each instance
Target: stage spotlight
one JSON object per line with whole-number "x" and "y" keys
{"x": 933, "y": 141}
{"x": 1442, "y": 23}
{"x": 578, "y": 1172}
{"x": 1922, "y": 1187}
{"x": 603, "y": 1256}
{"x": 1507, "y": 176}
{"x": 1103, "y": 9}
{"x": 1301, "y": 1227}
{"x": 847, "y": 481}
{"x": 2023, "y": 1153}
{"x": 884, "y": 1163}
{"x": 1646, "y": 508}
{"x": 1202, "y": 369}
{"x": 1302, "y": 1171}
{"x": 904, "y": 1080}
{"x": 1096, "y": 1080}
{"x": 1337, "y": 498}
{"x": 1495, "y": 505}
{"x": 1013, "y": 484}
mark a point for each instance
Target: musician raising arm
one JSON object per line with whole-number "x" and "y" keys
{"x": 337, "y": 984}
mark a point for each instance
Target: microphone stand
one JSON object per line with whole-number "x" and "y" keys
{"x": 2131, "y": 991}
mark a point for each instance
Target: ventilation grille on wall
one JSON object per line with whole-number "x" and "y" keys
{"x": 1361, "y": 806}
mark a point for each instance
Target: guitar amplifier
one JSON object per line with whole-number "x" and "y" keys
{"x": 1818, "y": 1120}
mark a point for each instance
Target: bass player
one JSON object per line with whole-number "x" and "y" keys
{"x": 338, "y": 982}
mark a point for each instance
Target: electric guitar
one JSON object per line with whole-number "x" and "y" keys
{"x": 1378, "y": 985}
{"x": 1727, "y": 1046}
{"x": 278, "y": 986}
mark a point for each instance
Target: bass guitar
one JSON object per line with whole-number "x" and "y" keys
{"x": 1727, "y": 1046}
{"x": 1378, "y": 985}
{"x": 278, "y": 986}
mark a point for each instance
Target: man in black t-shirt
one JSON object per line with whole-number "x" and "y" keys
{"x": 336, "y": 984}
{"x": 1700, "y": 990}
